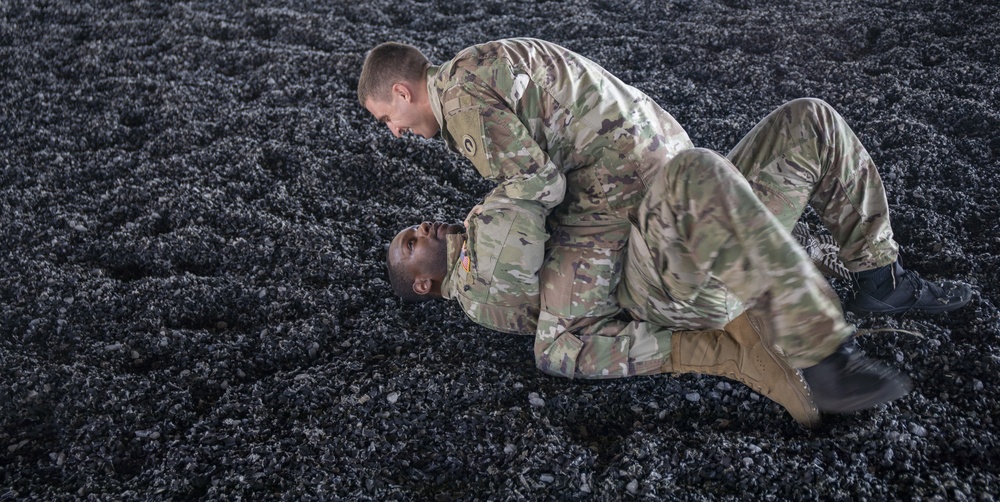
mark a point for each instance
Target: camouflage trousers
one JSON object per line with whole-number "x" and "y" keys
{"x": 712, "y": 235}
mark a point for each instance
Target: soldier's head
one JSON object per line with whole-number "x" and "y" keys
{"x": 393, "y": 88}
{"x": 418, "y": 260}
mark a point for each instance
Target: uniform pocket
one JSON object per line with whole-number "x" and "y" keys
{"x": 580, "y": 281}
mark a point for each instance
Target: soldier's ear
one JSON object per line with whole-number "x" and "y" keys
{"x": 422, "y": 286}
{"x": 403, "y": 90}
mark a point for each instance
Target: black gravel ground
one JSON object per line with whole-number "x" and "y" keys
{"x": 194, "y": 211}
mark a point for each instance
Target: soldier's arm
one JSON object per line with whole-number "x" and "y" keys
{"x": 521, "y": 167}
{"x": 506, "y": 244}
{"x": 487, "y": 132}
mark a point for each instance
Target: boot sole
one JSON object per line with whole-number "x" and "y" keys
{"x": 913, "y": 308}
{"x": 902, "y": 310}
{"x": 857, "y": 403}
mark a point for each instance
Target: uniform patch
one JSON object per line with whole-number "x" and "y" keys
{"x": 466, "y": 262}
{"x": 469, "y": 145}
{"x": 466, "y": 129}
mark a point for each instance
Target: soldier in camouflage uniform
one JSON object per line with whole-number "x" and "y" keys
{"x": 576, "y": 145}
{"x": 578, "y": 155}
{"x": 485, "y": 275}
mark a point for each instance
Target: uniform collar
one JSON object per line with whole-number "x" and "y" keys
{"x": 456, "y": 253}
{"x": 433, "y": 96}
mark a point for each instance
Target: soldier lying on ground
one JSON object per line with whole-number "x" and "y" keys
{"x": 709, "y": 249}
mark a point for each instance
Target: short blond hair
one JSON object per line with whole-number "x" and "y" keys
{"x": 387, "y": 64}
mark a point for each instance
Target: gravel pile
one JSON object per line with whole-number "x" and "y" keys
{"x": 194, "y": 212}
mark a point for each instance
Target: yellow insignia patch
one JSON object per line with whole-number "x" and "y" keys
{"x": 466, "y": 129}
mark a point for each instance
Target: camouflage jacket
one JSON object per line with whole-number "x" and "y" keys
{"x": 492, "y": 268}
{"x": 552, "y": 127}
{"x": 571, "y": 143}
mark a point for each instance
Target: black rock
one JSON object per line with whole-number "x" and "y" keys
{"x": 194, "y": 212}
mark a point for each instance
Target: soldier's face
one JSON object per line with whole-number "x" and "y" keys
{"x": 402, "y": 114}
{"x": 423, "y": 249}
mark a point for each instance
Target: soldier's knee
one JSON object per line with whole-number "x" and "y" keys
{"x": 808, "y": 104}
{"x": 701, "y": 161}
{"x": 811, "y": 112}
{"x": 696, "y": 154}
{"x": 698, "y": 157}
{"x": 694, "y": 168}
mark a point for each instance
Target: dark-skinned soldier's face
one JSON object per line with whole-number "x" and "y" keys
{"x": 422, "y": 251}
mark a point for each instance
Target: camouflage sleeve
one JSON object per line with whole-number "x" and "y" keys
{"x": 523, "y": 168}
{"x": 506, "y": 247}
{"x": 501, "y": 147}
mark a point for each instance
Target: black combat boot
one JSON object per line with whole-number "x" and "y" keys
{"x": 849, "y": 381}
{"x": 893, "y": 290}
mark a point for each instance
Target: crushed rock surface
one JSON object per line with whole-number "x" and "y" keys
{"x": 194, "y": 212}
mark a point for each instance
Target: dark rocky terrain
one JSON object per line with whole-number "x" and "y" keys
{"x": 194, "y": 212}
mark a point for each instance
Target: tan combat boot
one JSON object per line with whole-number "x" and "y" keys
{"x": 740, "y": 354}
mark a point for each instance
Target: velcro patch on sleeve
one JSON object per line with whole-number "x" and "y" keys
{"x": 466, "y": 127}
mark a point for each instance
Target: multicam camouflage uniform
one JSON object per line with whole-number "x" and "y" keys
{"x": 492, "y": 267}
{"x": 710, "y": 234}
{"x": 561, "y": 135}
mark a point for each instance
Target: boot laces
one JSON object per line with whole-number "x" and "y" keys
{"x": 916, "y": 283}
{"x": 938, "y": 291}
